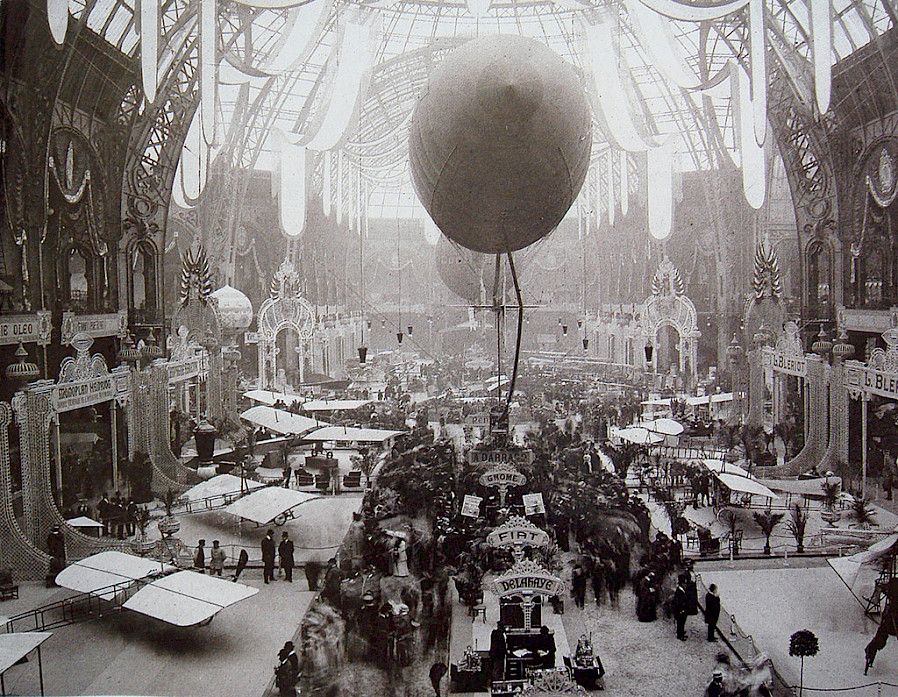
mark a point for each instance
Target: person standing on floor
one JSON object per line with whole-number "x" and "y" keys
{"x": 578, "y": 585}
{"x": 268, "y": 550}
{"x": 217, "y": 558}
{"x": 712, "y": 611}
{"x": 679, "y": 607}
{"x": 598, "y": 580}
{"x": 199, "y": 557}
{"x": 285, "y": 552}
{"x": 498, "y": 647}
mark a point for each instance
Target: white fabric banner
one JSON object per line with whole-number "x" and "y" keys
{"x": 58, "y": 19}
{"x": 149, "y": 48}
{"x": 660, "y": 190}
{"x": 208, "y": 65}
{"x": 822, "y": 49}
{"x": 754, "y": 169}
{"x": 292, "y": 198}
{"x": 758, "y": 53}
{"x": 656, "y": 38}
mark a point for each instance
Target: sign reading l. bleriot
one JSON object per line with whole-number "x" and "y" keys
{"x": 25, "y": 329}
{"x": 786, "y": 363}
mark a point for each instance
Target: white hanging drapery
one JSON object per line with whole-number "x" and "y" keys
{"x": 292, "y": 195}
{"x": 659, "y": 183}
{"x": 609, "y": 189}
{"x": 326, "y": 182}
{"x": 758, "y": 53}
{"x": 624, "y": 182}
{"x": 58, "y": 19}
{"x": 754, "y": 170}
{"x": 822, "y": 49}
{"x": 353, "y": 67}
{"x": 694, "y": 13}
{"x": 149, "y": 48}
{"x": 605, "y": 65}
{"x": 208, "y": 65}
{"x": 298, "y": 39}
{"x": 656, "y": 38}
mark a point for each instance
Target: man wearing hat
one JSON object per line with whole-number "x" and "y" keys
{"x": 715, "y": 687}
{"x": 287, "y": 670}
{"x": 56, "y": 544}
{"x": 269, "y": 547}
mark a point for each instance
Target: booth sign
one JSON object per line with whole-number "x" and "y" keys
{"x": 502, "y": 478}
{"x": 786, "y": 363}
{"x": 510, "y": 457}
{"x": 508, "y": 536}
{"x": 96, "y": 326}
{"x": 527, "y": 577}
{"x": 25, "y": 329}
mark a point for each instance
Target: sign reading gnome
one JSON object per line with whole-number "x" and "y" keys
{"x": 502, "y": 476}
{"x": 518, "y": 533}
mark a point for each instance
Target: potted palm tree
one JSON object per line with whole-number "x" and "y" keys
{"x": 767, "y": 521}
{"x": 169, "y": 525}
{"x": 863, "y": 513}
{"x": 797, "y": 525}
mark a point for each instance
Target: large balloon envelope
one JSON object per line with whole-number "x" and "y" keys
{"x": 500, "y": 143}
{"x": 462, "y": 270}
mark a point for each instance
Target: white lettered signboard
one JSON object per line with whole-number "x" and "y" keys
{"x": 25, "y": 329}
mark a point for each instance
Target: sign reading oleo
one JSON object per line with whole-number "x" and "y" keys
{"x": 504, "y": 537}
{"x": 504, "y": 478}
{"x": 25, "y": 329}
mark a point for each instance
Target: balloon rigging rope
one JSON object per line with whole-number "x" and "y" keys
{"x": 517, "y": 343}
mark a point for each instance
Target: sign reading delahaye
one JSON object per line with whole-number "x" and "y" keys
{"x": 527, "y": 577}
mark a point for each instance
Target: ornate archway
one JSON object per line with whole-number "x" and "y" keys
{"x": 668, "y": 306}
{"x": 286, "y": 308}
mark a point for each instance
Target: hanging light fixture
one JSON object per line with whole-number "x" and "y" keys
{"x": 368, "y": 324}
{"x": 399, "y": 336}
{"x": 564, "y": 329}
{"x": 823, "y": 345}
{"x": 649, "y": 350}
{"x": 585, "y": 343}
{"x": 128, "y": 353}
{"x": 843, "y": 348}
{"x": 579, "y": 324}
{"x": 735, "y": 352}
{"x": 23, "y": 372}
{"x": 363, "y": 354}
{"x": 383, "y": 324}
{"x": 410, "y": 329}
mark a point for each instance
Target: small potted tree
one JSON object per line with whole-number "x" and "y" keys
{"x": 141, "y": 544}
{"x": 797, "y": 525}
{"x": 830, "y": 499}
{"x": 803, "y": 643}
{"x": 169, "y": 525}
{"x": 767, "y": 521}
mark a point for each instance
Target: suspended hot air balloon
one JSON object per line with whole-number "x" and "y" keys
{"x": 500, "y": 143}
{"x": 462, "y": 270}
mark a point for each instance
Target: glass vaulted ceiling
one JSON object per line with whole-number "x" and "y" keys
{"x": 414, "y": 32}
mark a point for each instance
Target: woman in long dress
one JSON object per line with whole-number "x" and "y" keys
{"x": 400, "y": 558}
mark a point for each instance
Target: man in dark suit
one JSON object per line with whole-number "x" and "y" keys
{"x": 498, "y": 647}
{"x": 285, "y": 552}
{"x": 712, "y": 611}
{"x": 268, "y": 550}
